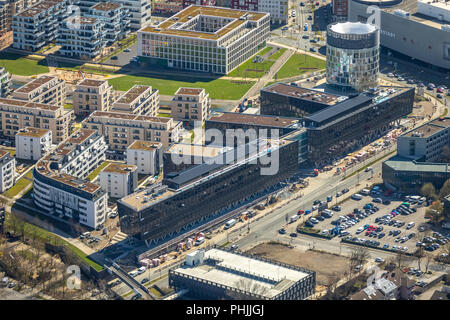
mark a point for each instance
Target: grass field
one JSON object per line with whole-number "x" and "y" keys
{"x": 299, "y": 64}
{"x": 21, "y": 184}
{"x": 277, "y": 54}
{"x": 249, "y": 69}
{"x": 22, "y": 66}
{"x": 95, "y": 173}
{"x": 217, "y": 88}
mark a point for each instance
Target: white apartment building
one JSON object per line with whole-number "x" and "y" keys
{"x": 139, "y": 11}
{"x": 426, "y": 141}
{"x": 122, "y": 129}
{"x": 146, "y": 156}
{"x": 5, "y": 83}
{"x": 115, "y": 20}
{"x": 139, "y": 100}
{"x": 119, "y": 180}
{"x": 7, "y": 170}
{"x": 44, "y": 89}
{"x": 90, "y": 95}
{"x": 278, "y": 10}
{"x": 60, "y": 188}
{"x": 207, "y": 39}
{"x": 81, "y": 37}
{"x": 190, "y": 104}
{"x": 33, "y": 143}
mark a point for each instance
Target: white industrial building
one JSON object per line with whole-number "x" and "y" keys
{"x": 146, "y": 155}
{"x": 7, "y": 170}
{"x": 119, "y": 180}
{"x": 60, "y": 188}
{"x": 33, "y": 143}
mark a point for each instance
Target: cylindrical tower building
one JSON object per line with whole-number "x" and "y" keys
{"x": 353, "y": 55}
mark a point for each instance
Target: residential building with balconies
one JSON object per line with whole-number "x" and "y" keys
{"x": 44, "y": 89}
{"x": 91, "y": 95}
{"x": 5, "y": 82}
{"x": 33, "y": 143}
{"x": 113, "y": 15}
{"x": 118, "y": 179}
{"x": 139, "y": 100}
{"x": 190, "y": 104}
{"x": 146, "y": 155}
{"x": 7, "y": 170}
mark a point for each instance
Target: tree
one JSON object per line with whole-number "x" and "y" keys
{"x": 399, "y": 258}
{"x": 428, "y": 190}
{"x": 446, "y": 154}
{"x": 435, "y": 213}
{"x": 419, "y": 254}
{"x": 445, "y": 190}
{"x": 428, "y": 259}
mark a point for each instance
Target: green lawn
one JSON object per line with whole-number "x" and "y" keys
{"x": 277, "y": 54}
{"x": 217, "y": 88}
{"x": 21, "y": 184}
{"x": 16, "y": 64}
{"x": 253, "y": 70}
{"x": 299, "y": 64}
{"x": 68, "y": 106}
{"x": 166, "y": 115}
{"x": 264, "y": 51}
{"x": 97, "y": 171}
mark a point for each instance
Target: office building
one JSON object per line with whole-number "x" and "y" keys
{"x": 90, "y": 95}
{"x": 189, "y": 197}
{"x": 139, "y": 100}
{"x": 167, "y": 7}
{"x": 357, "y": 121}
{"x": 115, "y": 20}
{"x": 425, "y": 142}
{"x": 353, "y": 55}
{"x": 340, "y": 10}
{"x": 146, "y": 156}
{"x": 207, "y": 39}
{"x": 278, "y": 9}
{"x": 190, "y": 104}
{"x": 81, "y": 37}
{"x": 181, "y": 156}
{"x": 38, "y": 25}
{"x": 18, "y": 114}
{"x": 5, "y": 83}
{"x": 222, "y": 274}
{"x": 122, "y": 129}
{"x": 235, "y": 126}
{"x": 284, "y": 100}
{"x": 60, "y": 189}
{"x": 411, "y": 29}
{"x": 118, "y": 179}
{"x": 43, "y": 90}
{"x": 33, "y": 143}
{"x": 7, "y": 170}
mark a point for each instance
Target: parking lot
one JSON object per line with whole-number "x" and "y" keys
{"x": 377, "y": 224}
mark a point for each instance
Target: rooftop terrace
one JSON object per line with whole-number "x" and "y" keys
{"x": 250, "y": 119}
{"x": 32, "y": 132}
{"x": 34, "y": 84}
{"x": 430, "y": 128}
{"x": 303, "y": 93}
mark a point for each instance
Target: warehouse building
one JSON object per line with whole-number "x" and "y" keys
{"x": 190, "y": 198}
{"x": 222, "y": 274}
{"x": 415, "y": 29}
{"x": 60, "y": 189}
{"x": 43, "y": 89}
{"x": 33, "y": 143}
{"x": 425, "y": 142}
{"x": 207, "y": 39}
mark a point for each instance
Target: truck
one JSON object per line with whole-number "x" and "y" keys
{"x": 293, "y": 218}
{"x": 230, "y": 223}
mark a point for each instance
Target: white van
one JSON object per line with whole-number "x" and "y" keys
{"x": 230, "y": 223}
{"x": 294, "y": 218}
{"x": 365, "y": 192}
{"x": 356, "y": 196}
{"x": 199, "y": 241}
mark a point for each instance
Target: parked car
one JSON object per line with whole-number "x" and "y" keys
{"x": 282, "y": 231}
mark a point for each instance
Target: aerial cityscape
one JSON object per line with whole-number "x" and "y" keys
{"x": 224, "y": 150}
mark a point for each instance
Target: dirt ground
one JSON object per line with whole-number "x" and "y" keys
{"x": 326, "y": 265}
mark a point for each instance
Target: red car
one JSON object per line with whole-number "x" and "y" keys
{"x": 440, "y": 90}
{"x": 300, "y": 212}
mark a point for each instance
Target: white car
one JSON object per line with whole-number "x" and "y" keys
{"x": 379, "y": 260}
{"x": 359, "y": 230}
{"x": 314, "y": 208}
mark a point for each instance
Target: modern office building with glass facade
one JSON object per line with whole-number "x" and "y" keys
{"x": 353, "y": 55}
{"x": 206, "y": 39}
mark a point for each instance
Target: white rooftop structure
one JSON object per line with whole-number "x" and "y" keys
{"x": 353, "y": 28}
{"x": 231, "y": 269}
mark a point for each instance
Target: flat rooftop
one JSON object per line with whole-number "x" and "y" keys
{"x": 91, "y": 83}
{"x": 119, "y": 168}
{"x": 27, "y": 104}
{"x": 133, "y": 93}
{"x": 106, "y": 6}
{"x": 250, "y": 119}
{"x": 233, "y": 268}
{"x": 137, "y": 200}
{"x": 38, "y": 8}
{"x": 193, "y": 11}
{"x": 194, "y": 150}
{"x": 189, "y": 91}
{"x": 128, "y": 116}
{"x": 32, "y": 132}
{"x": 34, "y": 84}
{"x": 402, "y": 164}
{"x": 303, "y": 93}
{"x": 144, "y": 145}
{"x": 430, "y": 128}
